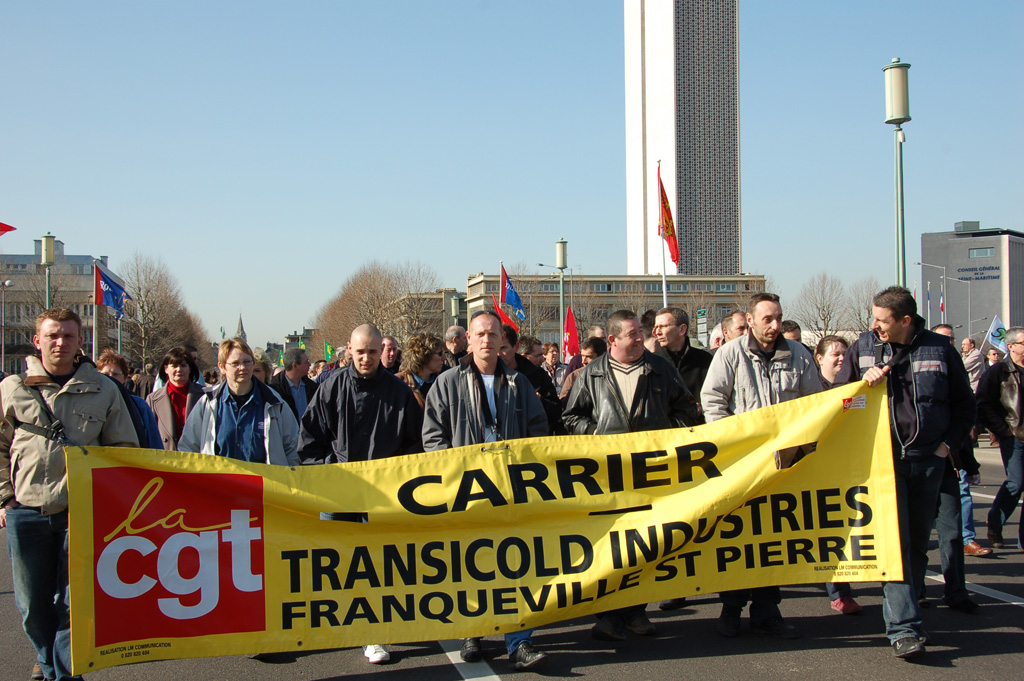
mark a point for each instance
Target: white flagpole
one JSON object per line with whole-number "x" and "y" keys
{"x": 929, "y": 322}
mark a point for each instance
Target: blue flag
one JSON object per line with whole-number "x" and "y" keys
{"x": 510, "y": 297}
{"x": 110, "y": 293}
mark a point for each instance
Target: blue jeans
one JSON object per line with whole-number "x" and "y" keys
{"x": 518, "y": 638}
{"x": 1012, "y": 451}
{"x": 917, "y": 497}
{"x": 38, "y": 546}
{"x": 966, "y": 509}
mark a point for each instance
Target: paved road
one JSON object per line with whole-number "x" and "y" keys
{"x": 986, "y": 645}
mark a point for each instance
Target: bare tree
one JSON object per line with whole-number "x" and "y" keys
{"x": 155, "y": 317}
{"x": 633, "y": 296}
{"x": 859, "y": 303}
{"x": 399, "y": 299}
{"x": 821, "y": 306}
{"x": 63, "y": 289}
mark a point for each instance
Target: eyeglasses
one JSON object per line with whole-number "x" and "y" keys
{"x": 244, "y": 364}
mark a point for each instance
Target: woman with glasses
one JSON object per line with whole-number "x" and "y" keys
{"x": 172, "y": 403}
{"x": 242, "y": 418}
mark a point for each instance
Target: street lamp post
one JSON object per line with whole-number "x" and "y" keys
{"x": 561, "y": 264}
{"x": 942, "y": 291}
{"x": 561, "y": 256}
{"x": 3, "y": 323}
{"x": 47, "y": 263}
{"x": 968, "y": 282}
{"x": 897, "y": 111}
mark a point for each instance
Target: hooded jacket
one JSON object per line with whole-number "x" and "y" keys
{"x": 280, "y": 431}
{"x": 740, "y": 380}
{"x": 92, "y": 411}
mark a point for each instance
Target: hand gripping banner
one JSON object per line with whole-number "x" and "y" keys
{"x": 186, "y": 555}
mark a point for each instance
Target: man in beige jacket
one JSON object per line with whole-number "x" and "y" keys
{"x": 60, "y": 401}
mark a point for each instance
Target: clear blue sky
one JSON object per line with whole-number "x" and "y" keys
{"x": 267, "y": 150}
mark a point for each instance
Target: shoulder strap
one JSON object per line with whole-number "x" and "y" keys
{"x": 55, "y": 430}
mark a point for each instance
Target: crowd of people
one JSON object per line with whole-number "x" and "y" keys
{"x": 379, "y": 398}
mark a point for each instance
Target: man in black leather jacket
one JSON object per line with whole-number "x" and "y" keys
{"x": 626, "y": 390}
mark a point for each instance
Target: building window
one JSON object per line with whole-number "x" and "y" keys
{"x": 491, "y": 287}
{"x": 982, "y": 252}
{"x": 678, "y": 288}
{"x": 549, "y": 287}
{"x": 601, "y": 288}
{"x": 725, "y": 288}
{"x": 652, "y": 287}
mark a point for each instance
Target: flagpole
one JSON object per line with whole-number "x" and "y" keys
{"x": 661, "y": 230}
{"x": 929, "y": 322}
{"x": 95, "y": 309}
{"x": 119, "y": 336}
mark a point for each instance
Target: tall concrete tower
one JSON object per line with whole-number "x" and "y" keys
{"x": 683, "y": 108}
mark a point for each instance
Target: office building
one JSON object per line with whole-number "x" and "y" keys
{"x": 984, "y": 276}
{"x": 682, "y": 108}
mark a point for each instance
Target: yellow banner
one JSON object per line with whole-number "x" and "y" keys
{"x": 185, "y": 555}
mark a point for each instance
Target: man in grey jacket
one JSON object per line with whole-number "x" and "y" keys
{"x": 480, "y": 401}
{"x": 753, "y": 371}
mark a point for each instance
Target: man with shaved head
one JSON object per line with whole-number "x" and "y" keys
{"x": 361, "y": 412}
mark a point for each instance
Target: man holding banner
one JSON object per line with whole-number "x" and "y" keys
{"x": 58, "y": 402}
{"x": 481, "y": 401}
{"x": 753, "y": 371}
{"x": 931, "y": 413}
{"x": 657, "y": 397}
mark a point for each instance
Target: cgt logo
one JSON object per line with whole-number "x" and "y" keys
{"x": 177, "y": 554}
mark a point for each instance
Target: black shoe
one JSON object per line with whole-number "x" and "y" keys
{"x": 526, "y": 657}
{"x": 470, "y": 650}
{"x": 37, "y": 673}
{"x": 640, "y": 625}
{"x": 775, "y": 626}
{"x": 728, "y": 623}
{"x": 908, "y": 647}
{"x": 608, "y": 629}
{"x": 672, "y": 604}
{"x": 964, "y": 605}
{"x": 995, "y": 538}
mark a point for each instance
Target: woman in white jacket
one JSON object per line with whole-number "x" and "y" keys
{"x": 241, "y": 417}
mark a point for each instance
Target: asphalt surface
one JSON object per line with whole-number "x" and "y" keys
{"x": 988, "y": 644}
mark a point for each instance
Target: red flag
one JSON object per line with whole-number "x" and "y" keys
{"x": 571, "y": 338}
{"x": 5, "y": 228}
{"x": 505, "y": 319}
{"x": 666, "y": 227}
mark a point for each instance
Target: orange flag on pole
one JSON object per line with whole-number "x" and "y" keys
{"x": 666, "y": 227}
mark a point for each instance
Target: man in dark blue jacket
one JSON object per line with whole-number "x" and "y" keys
{"x": 931, "y": 412}
{"x": 361, "y": 412}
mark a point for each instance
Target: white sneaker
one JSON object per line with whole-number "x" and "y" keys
{"x": 376, "y": 654}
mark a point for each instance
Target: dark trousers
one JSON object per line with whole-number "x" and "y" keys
{"x": 949, "y": 524}
{"x": 764, "y": 602}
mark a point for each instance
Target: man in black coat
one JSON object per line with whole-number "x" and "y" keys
{"x": 294, "y": 384}
{"x": 671, "y": 328}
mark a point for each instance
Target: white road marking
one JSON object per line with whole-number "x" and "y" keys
{"x": 1009, "y": 599}
{"x": 477, "y": 671}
